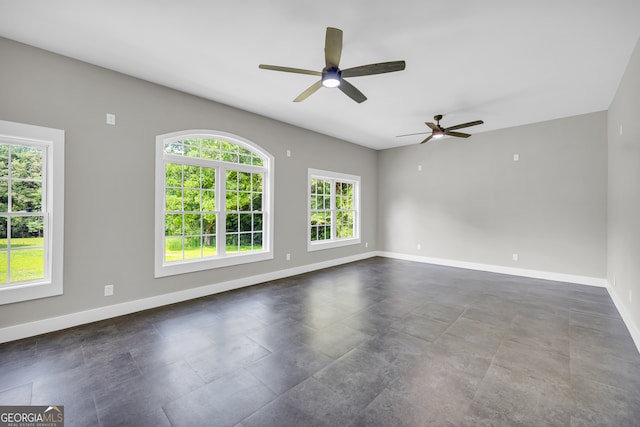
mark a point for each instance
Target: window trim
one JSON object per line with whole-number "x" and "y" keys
{"x": 163, "y": 269}
{"x": 53, "y": 141}
{"x": 334, "y": 176}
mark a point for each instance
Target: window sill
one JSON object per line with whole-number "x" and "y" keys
{"x": 164, "y": 269}
{"x": 318, "y": 246}
{"x": 28, "y": 291}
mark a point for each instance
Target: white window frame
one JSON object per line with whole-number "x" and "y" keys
{"x": 333, "y": 242}
{"x": 222, "y": 259}
{"x": 52, "y": 142}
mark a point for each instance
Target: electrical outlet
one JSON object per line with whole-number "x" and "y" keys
{"x": 614, "y": 281}
{"x": 419, "y": 246}
{"x": 419, "y": 168}
{"x": 288, "y": 153}
{"x": 516, "y": 157}
{"x": 108, "y": 290}
{"x": 111, "y": 119}
{"x": 515, "y": 257}
{"x": 366, "y": 244}
{"x": 288, "y": 257}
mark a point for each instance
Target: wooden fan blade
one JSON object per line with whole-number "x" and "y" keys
{"x": 458, "y": 134}
{"x": 379, "y": 68}
{"x": 427, "y": 139}
{"x": 289, "y": 69}
{"x": 431, "y": 125}
{"x": 310, "y": 90}
{"x": 351, "y": 91}
{"x": 411, "y": 134}
{"x": 333, "y": 47}
{"x": 465, "y": 125}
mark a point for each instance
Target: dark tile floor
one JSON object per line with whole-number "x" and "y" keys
{"x": 379, "y": 342}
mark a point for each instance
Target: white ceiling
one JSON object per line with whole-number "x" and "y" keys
{"x": 503, "y": 61}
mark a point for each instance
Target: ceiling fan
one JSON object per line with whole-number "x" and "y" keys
{"x": 331, "y": 75}
{"x": 438, "y": 131}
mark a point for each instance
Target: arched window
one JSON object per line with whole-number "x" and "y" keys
{"x": 213, "y": 202}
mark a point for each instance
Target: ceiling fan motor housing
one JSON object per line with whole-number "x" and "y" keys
{"x": 331, "y": 76}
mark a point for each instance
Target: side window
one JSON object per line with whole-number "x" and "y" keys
{"x": 31, "y": 211}
{"x": 333, "y": 209}
{"x": 213, "y": 202}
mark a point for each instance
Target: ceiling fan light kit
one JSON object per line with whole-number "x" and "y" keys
{"x": 331, "y": 77}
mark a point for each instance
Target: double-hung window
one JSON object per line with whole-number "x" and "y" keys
{"x": 333, "y": 209}
{"x": 31, "y": 211}
{"x": 213, "y": 202}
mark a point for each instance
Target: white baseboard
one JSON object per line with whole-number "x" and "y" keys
{"x": 626, "y": 317}
{"x": 536, "y": 274}
{"x": 30, "y": 329}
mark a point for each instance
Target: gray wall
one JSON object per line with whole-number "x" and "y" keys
{"x": 472, "y": 202}
{"x": 109, "y": 188}
{"x": 624, "y": 190}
